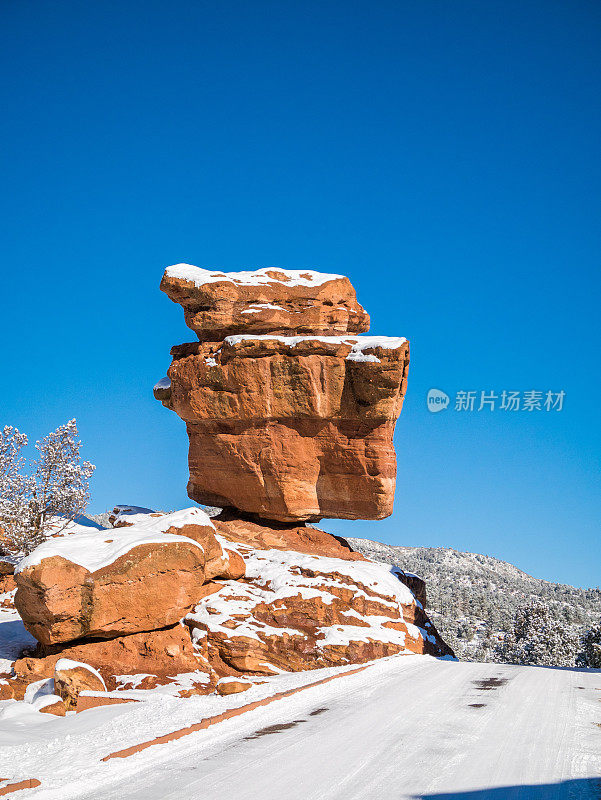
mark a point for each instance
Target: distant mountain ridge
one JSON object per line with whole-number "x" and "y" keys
{"x": 472, "y": 598}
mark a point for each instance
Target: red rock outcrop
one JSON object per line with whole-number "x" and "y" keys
{"x": 299, "y": 610}
{"x": 283, "y": 430}
{"x": 159, "y": 654}
{"x": 290, "y": 428}
{"x": 217, "y": 304}
{"x": 276, "y": 597}
{"x": 88, "y": 586}
{"x": 73, "y": 677}
{"x": 55, "y": 706}
{"x": 7, "y": 584}
{"x": 231, "y": 686}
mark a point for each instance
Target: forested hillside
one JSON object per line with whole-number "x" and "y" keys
{"x": 472, "y": 598}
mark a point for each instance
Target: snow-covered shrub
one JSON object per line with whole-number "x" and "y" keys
{"x": 537, "y": 637}
{"x": 591, "y": 649}
{"x": 52, "y": 493}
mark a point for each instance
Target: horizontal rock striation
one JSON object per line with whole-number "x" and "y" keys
{"x": 303, "y": 610}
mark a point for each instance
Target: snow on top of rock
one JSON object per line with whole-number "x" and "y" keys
{"x": 131, "y": 510}
{"x": 98, "y": 549}
{"x": 64, "y": 664}
{"x": 255, "y": 308}
{"x": 291, "y": 277}
{"x": 273, "y": 575}
{"x": 164, "y": 383}
{"x": 159, "y": 522}
{"x": 358, "y": 344}
{"x": 280, "y": 569}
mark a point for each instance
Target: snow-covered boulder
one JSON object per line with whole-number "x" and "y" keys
{"x": 109, "y": 583}
{"x": 73, "y": 677}
{"x": 232, "y": 686}
{"x": 142, "y": 659}
{"x": 125, "y": 516}
{"x": 217, "y": 304}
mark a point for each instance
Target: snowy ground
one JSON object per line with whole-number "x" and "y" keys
{"x": 407, "y": 726}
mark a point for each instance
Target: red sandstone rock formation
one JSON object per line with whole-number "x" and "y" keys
{"x": 73, "y": 677}
{"x": 217, "y": 304}
{"x": 275, "y": 597}
{"x": 284, "y": 428}
{"x": 289, "y": 428}
{"x": 107, "y": 584}
{"x": 231, "y": 686}
{"x": 300, "y": 539}
{"x": 159, "y": 654}
{"x": 305, "y": 605}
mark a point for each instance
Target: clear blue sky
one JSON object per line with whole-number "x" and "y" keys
{"x": 444, "y": 155}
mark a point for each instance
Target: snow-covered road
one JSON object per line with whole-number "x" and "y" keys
{"x": 405, "y": 727}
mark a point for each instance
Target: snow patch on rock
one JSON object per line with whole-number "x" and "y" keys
{"x": 291, "y": 277}
{"x": 96, "y": 550}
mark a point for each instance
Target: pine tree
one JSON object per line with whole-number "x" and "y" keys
{"x": 591, "y": 649}
{"x": 537, "y": 637}
{"x": 47, "y": 498}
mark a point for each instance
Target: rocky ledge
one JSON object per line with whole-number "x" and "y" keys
{"x": 182, "y": 600}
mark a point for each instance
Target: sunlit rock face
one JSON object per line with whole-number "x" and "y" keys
{"x": 218, "y": 304}
{"x": 290, "y": 416}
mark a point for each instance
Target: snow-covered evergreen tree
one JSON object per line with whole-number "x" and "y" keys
{"x": 591, "y": 649}
{"x": 53, "y": 493}
{"x": 15, "y": 487}
{"x": 537, "y": 637}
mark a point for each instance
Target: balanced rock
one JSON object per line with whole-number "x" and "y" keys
{"x": 289, "y": 428}
{"x": 217, "y": 304}
{"x": 106, "y": 584}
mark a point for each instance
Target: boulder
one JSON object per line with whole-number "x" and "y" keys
{"x": 291, "y": 428}
{"x": 232, "y": 686}
{"x": 157, "y": 655}
{"x": 217, "y": 304}
{"x": 73, "y": 677}
{"x": 107, "y": 584}
{"x": 55, "y": 705}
